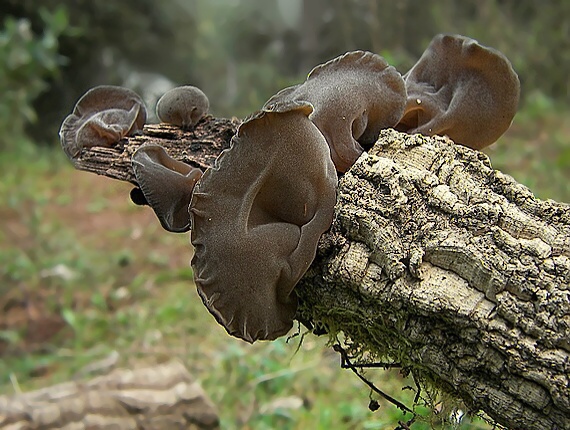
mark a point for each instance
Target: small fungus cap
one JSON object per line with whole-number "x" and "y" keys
{"x": 102, "y": 117}
{"x": 257, "y": 216}
{"x": 182, "y": 106}
{"x": 461, "y": 89}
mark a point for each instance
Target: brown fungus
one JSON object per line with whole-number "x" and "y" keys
{"x": 354, "y": 97}
{"x": 166, "y": 184}
{"x": 257, "y": 216}
{"x": 182, "y": 106}
{"x": 102, "y": 117}
{"x": 461, "y": 89}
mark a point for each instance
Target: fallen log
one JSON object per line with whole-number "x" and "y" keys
{"x": 162, "y": 397}
{"x": 434, "y": 261}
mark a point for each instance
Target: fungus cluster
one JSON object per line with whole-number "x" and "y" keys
{"x": 166, "y": 184}
{"x": 256, "y": 216}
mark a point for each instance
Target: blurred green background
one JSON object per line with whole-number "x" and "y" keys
{"x": 85, "y": 275}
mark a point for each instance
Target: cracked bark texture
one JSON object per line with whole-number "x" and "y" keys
{"x": 435, "y": 261}
{"x": 455, "y": 270}
{"x": 163, "y": 397}
{"x": 199, "y": 147}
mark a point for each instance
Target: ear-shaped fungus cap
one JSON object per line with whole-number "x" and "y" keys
{"x": 183, "y": 106}
{"x": 257, "y": 216}
{"x": 354, "y": 97}
{"x": 102, "y": 117}
{"x": 461, "y": 89}
{"x": 166, "y": 184}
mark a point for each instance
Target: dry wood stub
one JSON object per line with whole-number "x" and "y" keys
{"x": 439, "y": 262}
{"x": 163, "y": 397}
{"x": 199, "y": 147}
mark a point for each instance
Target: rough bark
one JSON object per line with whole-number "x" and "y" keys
{"x": 163, "y": 397}
{"x": 435, "y": 261}
{"x": 456, "y": 271}
{"x": 199, "y": 147}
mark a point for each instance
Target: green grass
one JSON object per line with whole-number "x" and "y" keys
{"x": 98, "y": 275}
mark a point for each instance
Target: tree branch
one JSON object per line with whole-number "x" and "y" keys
{"x": 199, "y": 147}
{"x": 435, "y": 261}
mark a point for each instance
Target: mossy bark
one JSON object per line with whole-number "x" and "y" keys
{"x": 435, "y": 261}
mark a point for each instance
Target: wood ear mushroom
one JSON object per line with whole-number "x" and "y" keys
{"x": 102, "y": 117}
{"x": 354, "y": 97}
{"x": 182, "y": 106}
{"x": 166, "y": 184}
{"x": 257, "y": 216}
{"x": 461, "y": 89}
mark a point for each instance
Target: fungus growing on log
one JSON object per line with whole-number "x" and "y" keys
{"x": 461, "y": 89}
{"x": 102, "y": 117}
{"x": 257, "y": 216}
{"x": 354, "y": 97}
{"x": 182, "y": 106}
{"x": 166, "y": 184}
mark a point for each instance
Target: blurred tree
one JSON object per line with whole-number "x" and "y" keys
{"x": 109, "y": 40}
{"x": 241, "y": 52}
{"x": 27, "y": 61}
